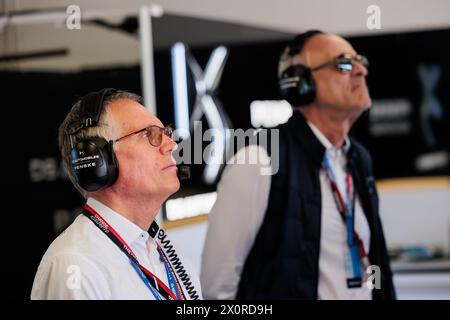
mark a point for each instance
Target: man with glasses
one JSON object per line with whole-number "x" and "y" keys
{"x": 119, "y": 156}
{"x": 312, "y": 230}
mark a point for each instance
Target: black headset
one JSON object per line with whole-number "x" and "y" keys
{"x": 296, "y": 83}
{"x": 93, "y": 161}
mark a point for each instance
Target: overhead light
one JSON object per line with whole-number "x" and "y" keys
{"x": 269, "y": 113}
{"x": 191, "y": 206}
{"x": 156, "y": 10}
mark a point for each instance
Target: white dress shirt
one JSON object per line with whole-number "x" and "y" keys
{"x": 83, "y": 263}
{"x": 238, "y": 213}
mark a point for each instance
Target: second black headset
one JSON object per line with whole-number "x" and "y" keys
{"x": 296, "y": 83}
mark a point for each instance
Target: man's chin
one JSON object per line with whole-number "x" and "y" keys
{"x": 365, "y": 106}
{"x": 169, "y": 190}
{"x": 176, "y": 186}
{"x": 363, "y": 103}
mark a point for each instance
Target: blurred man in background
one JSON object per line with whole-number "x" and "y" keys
{"x": 311, "y": 230}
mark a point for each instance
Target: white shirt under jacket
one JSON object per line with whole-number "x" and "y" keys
{"x": 238, "y": 213}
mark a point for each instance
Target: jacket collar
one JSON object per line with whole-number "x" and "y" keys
{"x": 313, "y": 139}
{"x": 305, "y": 136}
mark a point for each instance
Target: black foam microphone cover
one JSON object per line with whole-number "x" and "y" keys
{"x": 184, "y": 172}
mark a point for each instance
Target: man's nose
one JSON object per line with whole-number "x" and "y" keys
{"x": 168, "y": 145}
{"x": 359, "y": 70}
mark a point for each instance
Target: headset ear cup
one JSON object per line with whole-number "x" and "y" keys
{"x": 94, "y": 164}
{"x": 297, "y": 85}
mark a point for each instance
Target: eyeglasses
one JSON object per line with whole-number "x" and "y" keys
{"x": 344, "y": 63}
{"x": 154, "y": 134}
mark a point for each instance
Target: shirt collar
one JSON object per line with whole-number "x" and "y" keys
{"x": 325, "y": 142}
{"x": 127, "y": 230}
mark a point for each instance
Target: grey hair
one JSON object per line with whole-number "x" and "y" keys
{"x": 287, "y": 57}
{"x": 285, "y": 61}
{"x": 104, "y": 129}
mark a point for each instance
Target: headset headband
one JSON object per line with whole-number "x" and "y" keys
{"x": 297, "y": 44}
{"x": 90, "y": 110}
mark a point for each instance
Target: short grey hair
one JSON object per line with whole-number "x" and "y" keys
{"x": 104, "y": 129}
{"x": 285, "y": 61}
{"x": 287, "y": 57}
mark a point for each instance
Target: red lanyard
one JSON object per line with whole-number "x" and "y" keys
{"x": 346, "y": 209}
{"x": 153, "y": 280}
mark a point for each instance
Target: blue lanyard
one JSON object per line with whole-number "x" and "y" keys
{"x": 170, "y": 277}
{"x": 173, "y": 284}
{"x": 345, "y": 206}
{"x": 147, "y": 277}
{"x": 346, "y": 209}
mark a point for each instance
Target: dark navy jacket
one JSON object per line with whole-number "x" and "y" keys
{"x": 284, "y": 260}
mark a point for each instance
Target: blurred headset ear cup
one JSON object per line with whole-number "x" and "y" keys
{"x": 94, "y": 164}
{"x": 297, "y": 85}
